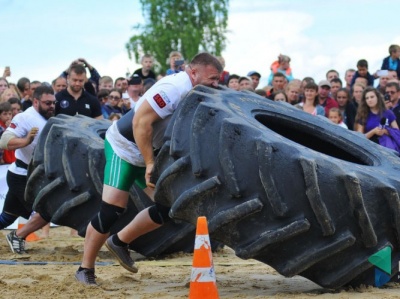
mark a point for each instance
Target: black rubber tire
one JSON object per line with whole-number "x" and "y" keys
{"x": 65, "y": 181}
{"x": 281, "y": 186}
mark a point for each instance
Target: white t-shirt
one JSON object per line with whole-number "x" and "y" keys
{"x": 164, "y": 97}
{"x": 20, "y": 126}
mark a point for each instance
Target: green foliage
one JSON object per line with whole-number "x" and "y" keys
{"x": 187, "y": 26}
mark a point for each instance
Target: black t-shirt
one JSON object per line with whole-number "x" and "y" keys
{"x": 86, "y": 104}
{"x": 151, "y": 74}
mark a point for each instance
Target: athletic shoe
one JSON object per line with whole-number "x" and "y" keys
{"x": 122, "y": 255}
{"x": 17, "y": 244}
{"x": 86, "y": 276}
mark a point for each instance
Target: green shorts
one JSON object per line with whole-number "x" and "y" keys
{"x": 120, "y": 174}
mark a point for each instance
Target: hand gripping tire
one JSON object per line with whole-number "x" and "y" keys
{"x": 65, "y": 181}
{"x": 281, "y": 186}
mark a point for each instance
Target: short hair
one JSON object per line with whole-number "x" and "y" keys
{"x": 5, "y": 107}
{"x": 308, "y": 80}
{"x": 120, "y": 79}
{"x": 261, "y": 92}
{"x": 335, "y": 109}
{"x": 350, "y": 70}
{"x": 337, "y": 80}
{"x": 36, "y": 82}
{"x": 105, "y": 79}
{"x": 343, "y": 89}
{"x": 14, "y": 101}
{"x": 21, "y": 83}
{"x": 103, "y": 93}
{"x": 174, "y": 54}
{"x": 42, "y": 89}
{"x": 332, "y": 71}
{"x": 278, "y": 74}
{"x": 206, "y": 59}
{"x": 146, "y": 56}
{"x": 311, "y": 85}
{"x": 233, "y": 76}
{"x": 283, "y": 58}
{"x": 362, "y": 63}
{"x": 78, "y": 69}
{"x": 394, "y": 84}
{"x": 393, "y": 48}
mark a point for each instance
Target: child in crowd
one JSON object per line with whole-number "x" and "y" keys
{"x": 335, "y": 116}
{"x": 280, "y": 96}
{"x": 362, "y": 71}
{"x": 281, "y": 65}
{"x": 233, "y": 82}
{"x": 7, "y": 156}
{"x": 392, "y": 62}
{"x": 114, "y": 117}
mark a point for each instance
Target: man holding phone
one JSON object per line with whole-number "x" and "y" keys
{"x": 176, "y": 63}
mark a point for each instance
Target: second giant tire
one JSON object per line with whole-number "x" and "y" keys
{"x": 281, "y": 186}
{"x": 65, "y": 181}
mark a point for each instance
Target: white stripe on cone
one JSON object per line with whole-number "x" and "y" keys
{"x": 202, "y": 240}
{"x": 203, "y": 275}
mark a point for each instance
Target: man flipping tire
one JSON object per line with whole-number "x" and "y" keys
{"x": 129, "y": 155}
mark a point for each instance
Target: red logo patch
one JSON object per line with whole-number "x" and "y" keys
{"x": 12, "y": 126}
{"x": 159, "y": 100}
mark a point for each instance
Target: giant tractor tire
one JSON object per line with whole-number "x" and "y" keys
{"x": 65, "y": 184}
{"x": 281, "y": 186}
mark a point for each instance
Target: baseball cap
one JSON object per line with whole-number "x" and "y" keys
{"x": 135, "y": 80}
{"x": 324, "y": 83}
{"x": 254, "y": 73}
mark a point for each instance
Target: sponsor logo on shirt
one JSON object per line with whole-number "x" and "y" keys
{"x": 64, "y": 104}
{"x": 87, "y": 106}
{"x": 159, "y": 100}
{"x": 13, "y": 126}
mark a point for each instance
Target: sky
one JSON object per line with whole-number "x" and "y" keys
{"x": 41, "y": 38}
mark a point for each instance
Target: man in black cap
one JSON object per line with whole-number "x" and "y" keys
{"x": 255, "y": 77}
{"x": 135, "y": 89}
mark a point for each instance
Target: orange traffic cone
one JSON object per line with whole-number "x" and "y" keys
{"x": 202, "y": 281}
{"x": 31, "y": 237}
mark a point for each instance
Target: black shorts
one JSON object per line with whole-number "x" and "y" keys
{"x": 15, "y": 203}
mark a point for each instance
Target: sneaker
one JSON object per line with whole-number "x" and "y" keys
{"x": 122, "y": 255}
{"x": 86, "y": 276}
{"x": 17, "y": 244}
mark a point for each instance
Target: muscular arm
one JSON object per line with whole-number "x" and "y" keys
{"x": 142, "y": 124}
{"x": 10, "y": 141}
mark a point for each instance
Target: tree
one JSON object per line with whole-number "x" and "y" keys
{"x": 188, "y": 26}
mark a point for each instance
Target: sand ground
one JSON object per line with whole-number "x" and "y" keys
{"x": 47, "y": 271}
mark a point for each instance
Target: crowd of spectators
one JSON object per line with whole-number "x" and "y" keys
{"x": 353, "y": 103}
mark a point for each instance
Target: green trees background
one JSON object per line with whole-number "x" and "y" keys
{"x": 187, "y": 26}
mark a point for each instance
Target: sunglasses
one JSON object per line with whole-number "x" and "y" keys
{"x": 49, "y": 103}
{"x": 114, "y": 98}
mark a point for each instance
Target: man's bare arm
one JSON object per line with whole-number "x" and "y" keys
{"x": 10, "y": 141}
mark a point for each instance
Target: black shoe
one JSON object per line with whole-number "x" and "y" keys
{"x": 86, "y": 276}
{"x": 122, "y": 255}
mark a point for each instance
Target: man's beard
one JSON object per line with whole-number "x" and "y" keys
{"x": 46, "y": 113}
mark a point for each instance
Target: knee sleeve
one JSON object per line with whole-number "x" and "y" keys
{"x": 159, "y": 213}
{"x": 6, "y": 220}
{"x": 106, "y": 217}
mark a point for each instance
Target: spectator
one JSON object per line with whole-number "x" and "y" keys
{"x": 75, "y": 100}
{"x": 302, "y": 84}
{"x": 282, "y": 65}
{"x": 7, "y": 94}
{"x": 106, "y": 82}
{"x": 59, "y": 84}
{"x": 255, "y": 78}
{"x": 147, "y": 84}
{"x": 233, "y": 82}
{"x": 145, "y": 71}
{"x": 3, "y": 85}
{"x": 383, "y": 80}
{"x": 347, "y": 108}
{"x": 310, "y": 103}
{"x": 325, "y": 101}
{"x": 392, "y": 75}
{"x": 370, "y": 114}
{"x": 225, "y": 74}
{"x": 292, "y": 92}
{"x": 336, "y": 84}
{"x": 94, "y": 75}
{"x": 348, "y": 77}
{"x": 358, "y": 89}
{"x": 245, "y": 83}
{"x": 278, "y": 83}
{"x": 113, "y": 105}
{"x": 331, "y": 74}
{"x": 392, "y": 62}
{"x": 114, "y": 117}
{"x": 102, "y": 96}
{"x": 7, "y": 156}
{"x": 24, "y": 88}
{"x": 335, "y": 116}
{"x": 135, "y": 89}
{"x": 362, "y": 71}
{"x": 122, "y": 84}
{"x": 279, "y": 96}
{"x": 16, "y": 106}
{"x": 176, "y": 63}
{"x": 392, "y": 93}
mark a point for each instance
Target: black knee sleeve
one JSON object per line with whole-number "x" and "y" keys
{"x": 106, "y": 217}
{"x": 159, "y": 213}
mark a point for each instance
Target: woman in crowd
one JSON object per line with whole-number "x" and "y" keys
{"x": 310, "y": 103}
{"x": 113, "y": 104}
{"x": 292, "y": 92}
{"x": 279, "y": 96}
{"x": 357, "y": 93}
{"x": 8, "y": 94}
{"x": 371, "y": 113}
{"x": 347, "y": 108}
{"x": 3, "y": 85}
